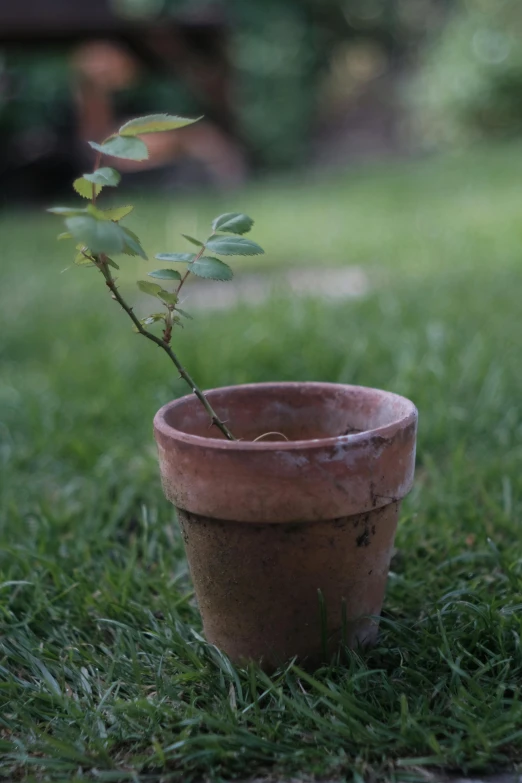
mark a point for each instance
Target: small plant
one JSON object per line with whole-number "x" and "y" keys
{"x": 100, "y": 236}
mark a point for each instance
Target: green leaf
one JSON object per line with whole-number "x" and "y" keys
{"x": 233, "y": 222}
{"x": 67, "y": 211}
{"x": 181, "y": 257}
{"x": 168, "y": 296}
{"x": 80, "y": 260}
{"x": 154, "y": 123}
{"x": 152, "y": 318}
{"x": 104, "y": 176}
{"x": 234, "y": 246}
{"x": 212, "y": 268}
{"x": 64, "y": 235}
{"x": 116, "y": 213}
{"x": 100, "y": 236}
{"x": 165, "y": 274}
{"x": 112, "y": 263}
{"x": 95, "y": 212}
{"x": 184, "y": 314}
{"x": 126, "y": 147}
{"x": 132, "y": 246}
{"x": 107, "y": 214}
{"x": 84, "y": 188}
{"x": 83, "y": 257}
{"x": 149, "y": 288}
{"x": 192, "y": 240}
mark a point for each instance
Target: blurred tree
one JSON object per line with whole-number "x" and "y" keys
{"x": 470, "y": 82}
{"x": 280, "y": 51}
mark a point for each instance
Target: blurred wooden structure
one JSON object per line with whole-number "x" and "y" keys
{"x": 108, "y": 49}
{"x": 191, "y": 45}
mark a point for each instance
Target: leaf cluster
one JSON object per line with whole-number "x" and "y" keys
{"x": 99, "y": 234}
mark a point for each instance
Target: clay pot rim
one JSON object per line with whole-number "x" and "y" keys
{"x": 409, "y": 417}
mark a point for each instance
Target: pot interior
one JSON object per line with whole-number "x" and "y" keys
{"x": 301, "y": 411}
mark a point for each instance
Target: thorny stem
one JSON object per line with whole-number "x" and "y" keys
{"x": 102, "y": 265}
{"x": 187, "y": 273}
{"x": 167, "y": 332}
{"x": 111, "y": 284}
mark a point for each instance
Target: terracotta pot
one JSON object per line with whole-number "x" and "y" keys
{"x": 289, "y": 542}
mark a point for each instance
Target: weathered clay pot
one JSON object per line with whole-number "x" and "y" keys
{"x": 289, "y": 543}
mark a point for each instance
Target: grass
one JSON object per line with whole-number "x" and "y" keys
{"x": 103, "y": 672}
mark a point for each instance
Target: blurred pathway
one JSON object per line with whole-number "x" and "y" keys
{"x": 331, "y": 283}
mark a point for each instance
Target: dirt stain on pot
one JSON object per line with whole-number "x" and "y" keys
{"x": 364, "y": 538}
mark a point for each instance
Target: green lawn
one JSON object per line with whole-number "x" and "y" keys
{"x": 103, "y": 673}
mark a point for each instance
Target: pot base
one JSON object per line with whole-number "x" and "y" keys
{"x": 268, "y": 592}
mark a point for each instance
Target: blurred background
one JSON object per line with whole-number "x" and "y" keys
{"x": 282, "y": 84}
{"x": 377, "y": 145}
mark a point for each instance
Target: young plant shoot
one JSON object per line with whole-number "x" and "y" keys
{"x": 100, "y": 236}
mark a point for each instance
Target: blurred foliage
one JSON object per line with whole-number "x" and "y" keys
{"x": 279, "y": 50}
{"x": 34, "y": 88}
{"x": 470, "y": 83}
{"x": 36, "y": 92}
{"x": 278, "y": 55}
{"x": 282, "y": 50}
